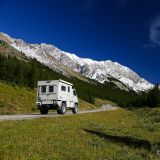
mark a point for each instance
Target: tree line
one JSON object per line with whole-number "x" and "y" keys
{"x": 150, "y": 98}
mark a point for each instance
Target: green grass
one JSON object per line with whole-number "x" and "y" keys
{"x": 100, "y": 102}
{"x": 14, "y": 99}
{"x": 88, "y": 136}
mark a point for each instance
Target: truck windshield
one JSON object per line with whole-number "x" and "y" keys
{"x": 74, "y": 92}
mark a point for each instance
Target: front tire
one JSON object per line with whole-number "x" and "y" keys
{"x": 75, "y": 109}
{"x": 44, "y": 110}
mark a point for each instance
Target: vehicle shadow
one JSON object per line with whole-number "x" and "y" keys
{"x": 129, "y": 141}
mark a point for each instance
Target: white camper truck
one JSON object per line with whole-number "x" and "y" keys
{"x": 56, "y": 94}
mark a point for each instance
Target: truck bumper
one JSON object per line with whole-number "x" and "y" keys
{"x": 54, "y": 105}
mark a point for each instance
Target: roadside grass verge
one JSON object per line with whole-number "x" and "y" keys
{"x": 112, "y": 135}
{"x": 98, "y": 104}
{"x": 83, "y": 105}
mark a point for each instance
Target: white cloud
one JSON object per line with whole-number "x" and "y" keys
{"x": 155, "y": 31}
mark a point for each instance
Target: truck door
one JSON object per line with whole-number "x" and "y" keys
{"x": 75, "y": 96}
{"x": 46, "y": 93}
{"x": 42, "y": 92}
{"x": 69, "y": 96}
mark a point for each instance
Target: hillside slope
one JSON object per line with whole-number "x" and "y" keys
{"x": 14, "y": 99}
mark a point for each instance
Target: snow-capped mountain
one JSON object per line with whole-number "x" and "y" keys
{"x": 64, "y": 62}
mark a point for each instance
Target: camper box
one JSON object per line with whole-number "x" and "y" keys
{"x": 56, "y": 94}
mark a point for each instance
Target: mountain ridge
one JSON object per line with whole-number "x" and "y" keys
{"x": 58, "y": 60}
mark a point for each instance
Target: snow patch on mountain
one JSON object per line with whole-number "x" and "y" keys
{"x": 60, "y": 60}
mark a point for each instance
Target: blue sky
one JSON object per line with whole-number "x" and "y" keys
{"x": 126, "y": 31}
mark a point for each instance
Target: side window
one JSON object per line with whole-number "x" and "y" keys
{"x": 63, "y": 88}
{"x": 43, "y": 89}
{"x": 51, "y": 89}
{"x": 68, "y": 89}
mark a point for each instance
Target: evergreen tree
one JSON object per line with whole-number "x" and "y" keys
{"x": 153, "y": 97}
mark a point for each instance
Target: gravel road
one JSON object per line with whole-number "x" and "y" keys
{"x": 50, "y": 114}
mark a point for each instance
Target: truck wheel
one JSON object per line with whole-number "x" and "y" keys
{"x": 75, "y": 109}
{"x": 44, "y": 110}
{"x": 58, "y": 111}
{"x": 63, "y": 109}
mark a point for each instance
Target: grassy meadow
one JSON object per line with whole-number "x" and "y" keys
{"x": 111, "y": 135}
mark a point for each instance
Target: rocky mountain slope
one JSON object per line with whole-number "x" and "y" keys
{"x": 68, "y": 64}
